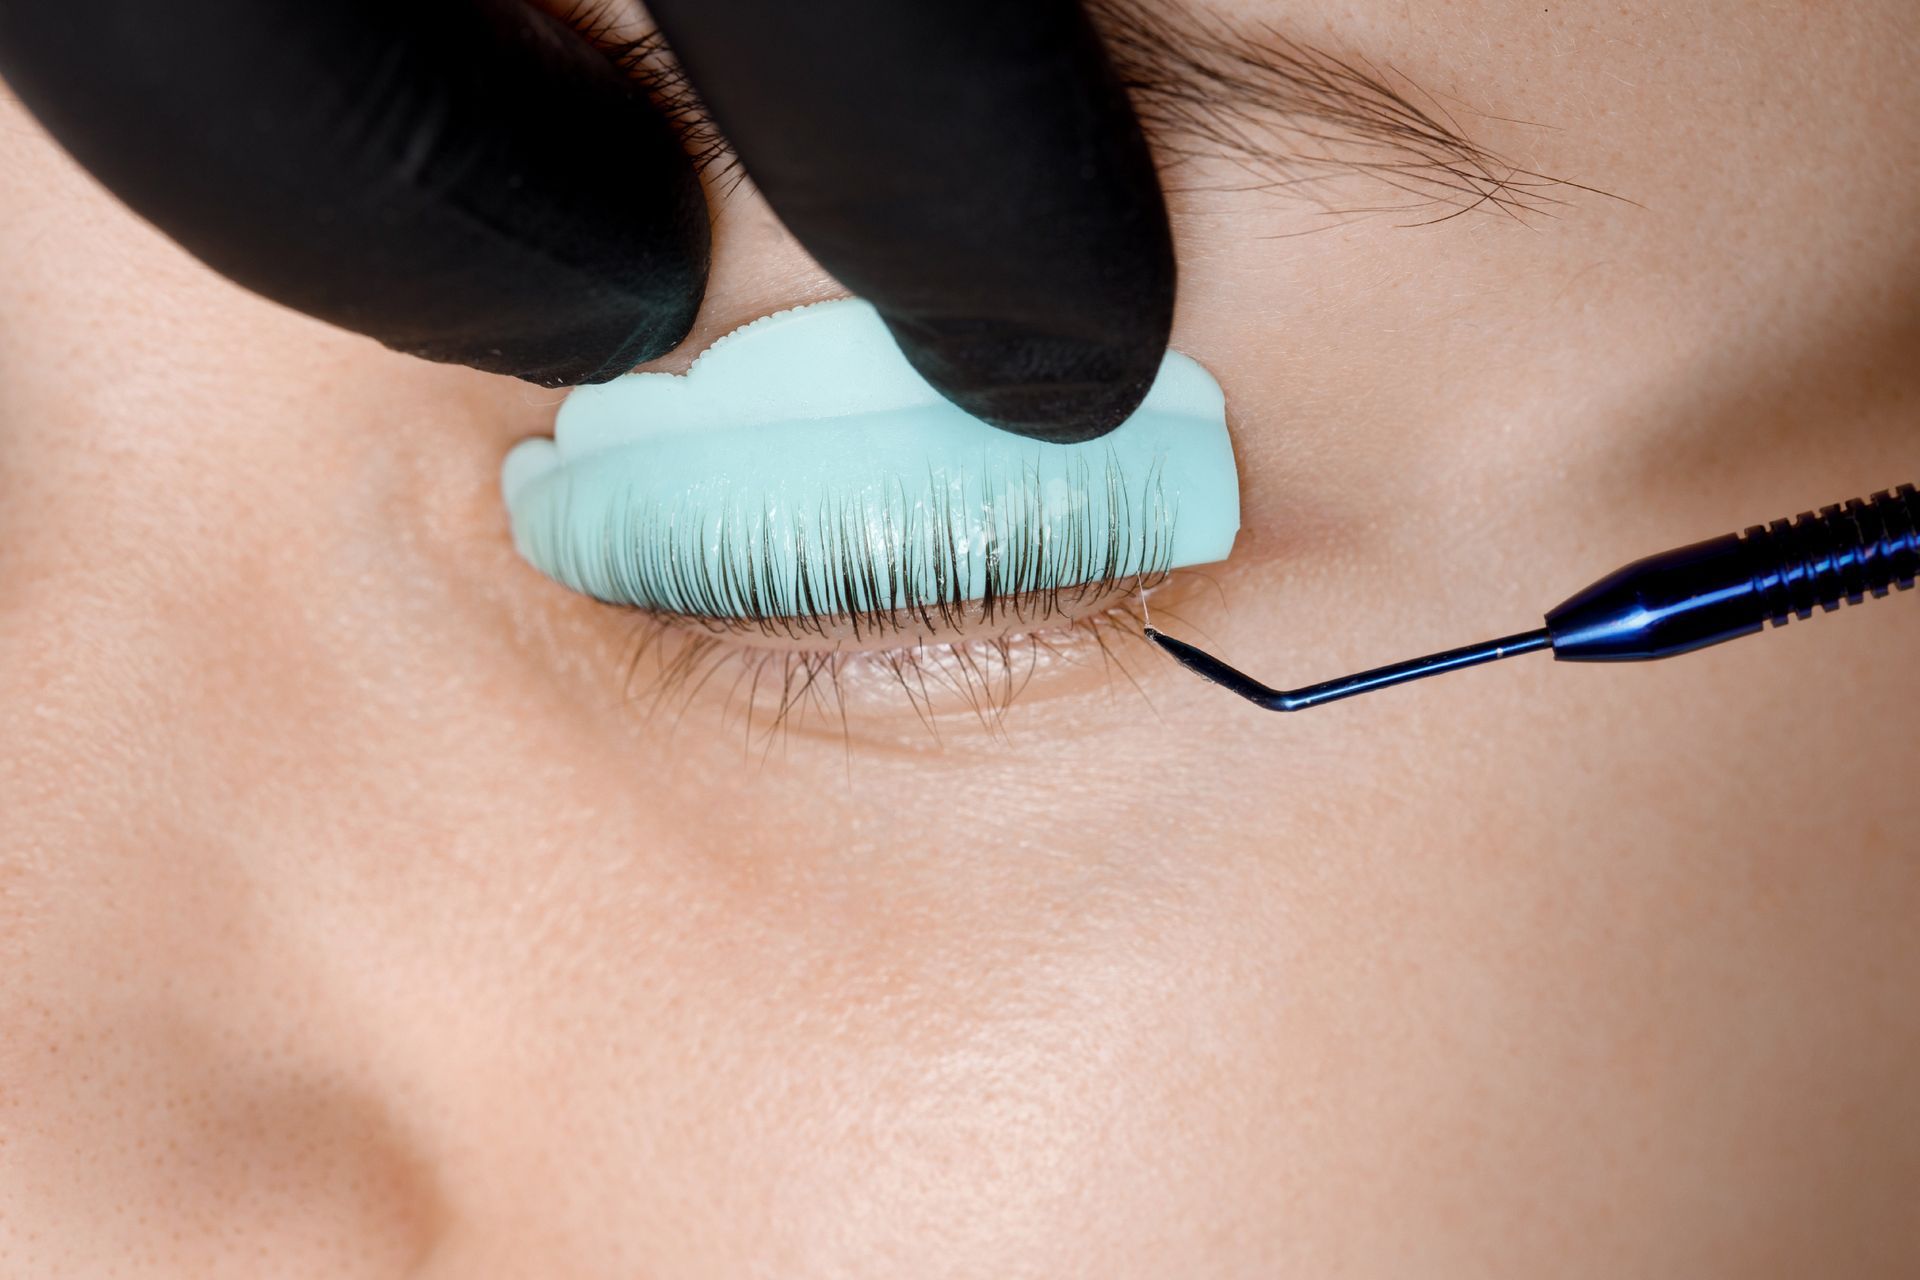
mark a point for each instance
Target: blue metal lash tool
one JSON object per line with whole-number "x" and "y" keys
{"x": 1667, "y": 604}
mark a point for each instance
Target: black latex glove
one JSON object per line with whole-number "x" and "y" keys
{"x": 471, "y": 181}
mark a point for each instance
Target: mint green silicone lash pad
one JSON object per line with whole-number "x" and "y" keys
{"x": 802, "y": 468}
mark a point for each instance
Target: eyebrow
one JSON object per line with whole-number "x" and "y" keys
{"x": 1295, "y": 117}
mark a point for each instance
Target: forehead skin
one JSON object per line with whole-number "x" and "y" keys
{"x": 350, "y": 916}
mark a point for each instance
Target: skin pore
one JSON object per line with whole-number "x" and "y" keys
{"x": 358, "y": 910}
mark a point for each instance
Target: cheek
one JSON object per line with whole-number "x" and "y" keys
{"x": 952, "y": 1022}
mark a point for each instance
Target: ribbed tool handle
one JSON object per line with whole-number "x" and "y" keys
{"x": 1694, "y": 596}
{"x": 1847, "y": 551}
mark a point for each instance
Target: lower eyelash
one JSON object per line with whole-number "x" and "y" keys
{"x": 774, "y": 692}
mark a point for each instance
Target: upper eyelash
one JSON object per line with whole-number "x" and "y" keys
{"x": 911, "y": 579}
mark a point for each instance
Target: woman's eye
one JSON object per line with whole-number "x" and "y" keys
{"x": 802, "y": 481}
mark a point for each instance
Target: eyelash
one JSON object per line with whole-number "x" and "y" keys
{"x": 876, "y": 567}
{"x": 774, "y": 692}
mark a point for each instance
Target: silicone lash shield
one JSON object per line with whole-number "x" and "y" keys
{"x": 802, "y": 467}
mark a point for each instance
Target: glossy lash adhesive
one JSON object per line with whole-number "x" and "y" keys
{"x": 801, "y": 467}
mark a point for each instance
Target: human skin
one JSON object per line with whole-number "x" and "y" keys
{"x": 359, "y": 917}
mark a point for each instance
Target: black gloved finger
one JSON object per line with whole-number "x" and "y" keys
{"x": 971, "y": 166}
{"x": 465, "y": 180}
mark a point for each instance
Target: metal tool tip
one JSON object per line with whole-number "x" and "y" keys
{"x": 1208, "y": 667}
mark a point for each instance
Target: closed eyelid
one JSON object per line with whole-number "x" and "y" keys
{"x": 803, "y": 506}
